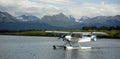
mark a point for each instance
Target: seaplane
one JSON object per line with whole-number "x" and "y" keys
{"x": 72, "y": 39}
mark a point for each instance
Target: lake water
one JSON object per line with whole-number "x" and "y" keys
{"x": 29, "y": 47}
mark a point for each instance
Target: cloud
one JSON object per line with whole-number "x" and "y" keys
{"x": 50, "y": 7}
{"x": 17, "y": 7}
{"x": 92, "y": 10}
{"x": 57, "y": 2}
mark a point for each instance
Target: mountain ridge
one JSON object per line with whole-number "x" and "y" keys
{"x": 57, "y": 21}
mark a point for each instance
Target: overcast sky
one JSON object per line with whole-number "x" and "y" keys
{"x": 76, "y": 8}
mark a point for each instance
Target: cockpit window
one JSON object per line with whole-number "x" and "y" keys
{"x": 85, "y": 36}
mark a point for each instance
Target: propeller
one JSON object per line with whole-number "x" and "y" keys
{"x": 62, "y": 37}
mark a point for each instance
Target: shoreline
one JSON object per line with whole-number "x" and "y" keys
{"x": 113, "y": 34}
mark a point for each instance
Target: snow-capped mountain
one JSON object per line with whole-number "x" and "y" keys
{"x": 6, "y": 17}
{"x": 57, "y": 21}
{"x": 28, "y": 18}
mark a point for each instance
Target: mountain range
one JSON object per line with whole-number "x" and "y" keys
{"x": 52, "y": 22}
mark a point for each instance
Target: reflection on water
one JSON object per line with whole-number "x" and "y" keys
{"x": 73, "y": 54}
{"x": 93, "y": 54}
{"x": 77, "y": 54}
{"x": 26, "y": 47}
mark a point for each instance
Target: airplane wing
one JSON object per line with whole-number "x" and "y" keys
{"x": 83, "y": 33}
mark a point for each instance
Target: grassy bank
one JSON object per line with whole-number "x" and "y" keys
{"x": 26, "y": 33}
{"x": 111, "y": 33}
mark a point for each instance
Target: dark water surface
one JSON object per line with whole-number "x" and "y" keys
{"x": 27, "y": 47}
